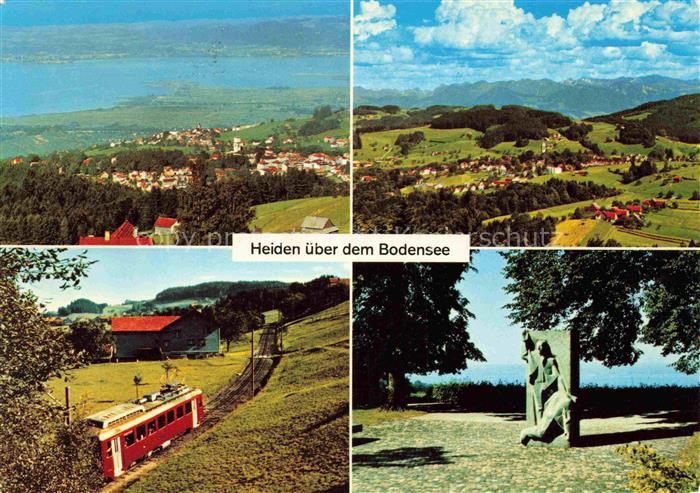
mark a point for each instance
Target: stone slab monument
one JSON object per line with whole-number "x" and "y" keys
{"x": 552, "y": 388}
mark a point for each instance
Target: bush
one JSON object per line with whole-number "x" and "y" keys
{"x": 657, "y": 474}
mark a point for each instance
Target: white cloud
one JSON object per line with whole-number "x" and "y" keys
{"x": 374, "y": 54}
{"x": 653, "y": 50}
{"x": 374, "y": 19}
{"x": 497, "y": 40}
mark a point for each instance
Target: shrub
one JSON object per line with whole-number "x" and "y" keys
{"x": 657, "y": 474}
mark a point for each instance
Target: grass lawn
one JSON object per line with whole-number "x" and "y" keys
{"x": 99, "y": 386}
{"x": 292, "y": 437}
{"x": 375, "y": 416}
{"x": 287, "y": 215}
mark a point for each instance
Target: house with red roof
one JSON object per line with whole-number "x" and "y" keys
{"x": 124, "y": 235}
{"x": 157, "y": 337}
{"x": 634, "y": 208}
{"x": 165, "y": 226}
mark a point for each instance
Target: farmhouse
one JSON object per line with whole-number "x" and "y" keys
{"x": 316, "y": 224}
{"x": 156, "y": 337}
{"x": 124, "y": 235}
{"x": 165, "y": 226}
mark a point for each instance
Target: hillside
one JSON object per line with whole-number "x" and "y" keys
{"x": 184, "y": 106}
{"x": 292, "y": 437}
{"x": 213, "y": 290}
{"x": 287, "y": 215}
{"x": 677, "y": 118}
{"x": 576, "y": 98}
{"x": 447, "y": 134}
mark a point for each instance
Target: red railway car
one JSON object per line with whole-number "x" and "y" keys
{"x": 131, "y": 431}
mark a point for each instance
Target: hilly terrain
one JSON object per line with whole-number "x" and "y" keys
{"x": 185, "y": 106}
{"x": 444, "y": 134}
{"x": 293, "y": 436}
{"x": 576, "y": 98}
{"x": 180, "y": 296}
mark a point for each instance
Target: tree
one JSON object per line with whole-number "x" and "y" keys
{"x": 614, "y": 299}
{"x": 38, "y": 450}
{"x": 91, "y": 339}
{"x": 137, "y": 383}
{"x": 209, "y": 214}
{"x": 169, "y": 368}
{"x": 409, "y": 318}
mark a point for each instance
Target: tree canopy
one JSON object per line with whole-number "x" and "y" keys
{"x": 408, "y": 318}
{"x": 38, "y": 450}
{"x": 614, "y": 299}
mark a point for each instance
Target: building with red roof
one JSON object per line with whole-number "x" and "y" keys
{"x": 165, "y": 226}
{"x": 125, "y": 235}
{"x": 154, "y": 337}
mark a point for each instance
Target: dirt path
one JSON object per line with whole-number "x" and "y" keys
{"x": 234, "y": 393}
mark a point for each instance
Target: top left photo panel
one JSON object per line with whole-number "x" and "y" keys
{"x": 172, "y": 123}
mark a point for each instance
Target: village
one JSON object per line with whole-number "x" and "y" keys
{"x": 494, "y": 173}
{"x": 270, "y": 156}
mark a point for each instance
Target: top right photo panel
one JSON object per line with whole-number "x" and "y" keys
{"x": 562, "y": 124}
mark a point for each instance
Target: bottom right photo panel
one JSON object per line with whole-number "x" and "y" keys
{"x": 528, "y": 370}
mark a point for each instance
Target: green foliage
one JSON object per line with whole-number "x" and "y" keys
{"x": 676, "y": 118}
{"x": 408, "y": 318}
{"x": 657, "y": 474}
{"x": 322, "y": 121}
{"x": 91, "y": 339}
{"x": 614, "y": 299}
{"x": 81, "y": 305}
{"x": 38, "y": 451}
{"x": 292, "y": 437}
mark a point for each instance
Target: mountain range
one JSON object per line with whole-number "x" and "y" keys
{"x": 580, "y": 98}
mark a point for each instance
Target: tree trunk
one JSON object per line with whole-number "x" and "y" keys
{"x": 398, "y": 390}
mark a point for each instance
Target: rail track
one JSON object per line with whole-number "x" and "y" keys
{"x": 239, "y": 389}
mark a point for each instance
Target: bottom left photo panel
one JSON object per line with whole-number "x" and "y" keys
{"x": 172, "y": 369}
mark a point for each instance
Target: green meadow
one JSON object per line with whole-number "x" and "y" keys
{"x": 292, "y": 437}
{"x": 287, "y": 215}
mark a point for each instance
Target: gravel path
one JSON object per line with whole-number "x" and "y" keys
{"x": 465, "y": 452}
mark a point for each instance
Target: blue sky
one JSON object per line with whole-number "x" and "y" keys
{"x": 139, "y": 274}
{"x": 49, "y": 12}
{"x": 423, "y": 44}
{"x": 491, "y": 330}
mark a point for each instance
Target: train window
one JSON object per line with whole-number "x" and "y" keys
{"x": 171, "y": 416}
{"x": 129, "y": 439}
{"x": 161, "y": 421}
{"x": 141, "y": 432}
{"x": 152, "y": 426}
{"x": 109, "y": 448}
{"x": 180, "y": 412}
{"x": 188, "y": 407}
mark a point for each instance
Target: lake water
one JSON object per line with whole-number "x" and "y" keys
{"x": 591, "y": 374}
{"x": 31, "y": 88}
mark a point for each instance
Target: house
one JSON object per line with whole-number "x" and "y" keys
{"x": 316, "y": 224}
{"x": 609, "y": 216}
{"x": 553, "y": 170}
{"x": 634, "y": 208}
{"x": 677, "y": 179}
{"x": 124, "y": 235}
{"x": 165, "y": 226}
{"x": 156, "y": 337}
{"x": 17, "y": 160}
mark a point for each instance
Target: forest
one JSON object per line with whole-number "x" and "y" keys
{"x": 380, "y": 207}
{"x": 41, "y": 205}
{"x": 216, "y": 289}
{"x": 677, "y": 118}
